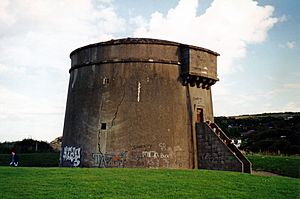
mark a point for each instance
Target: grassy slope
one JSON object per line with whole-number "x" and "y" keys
{"x": 283, "y": 165}
{"x": 140, "y": 183}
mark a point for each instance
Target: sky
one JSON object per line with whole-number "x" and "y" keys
{"x": 258, "y": 42}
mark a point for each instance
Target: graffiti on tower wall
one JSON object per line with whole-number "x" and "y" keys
{"x": 150, "y": 156}
{"x": 110, "y": 160}
{"x": 71, "y": 156}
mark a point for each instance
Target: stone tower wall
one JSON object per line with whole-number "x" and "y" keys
{"x": 133, "y": 103}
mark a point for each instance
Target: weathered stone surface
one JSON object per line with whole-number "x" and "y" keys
{"x": 134, "y": 103}
{"x": 214, "y": 153}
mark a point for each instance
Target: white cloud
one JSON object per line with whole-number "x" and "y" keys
{"x": 291, "y": 44}
{"x": 36, "y": 38}
{"x": 283, "y": 18}
{"x": 39, "y": 28}
{"x": 226, "y": 27}
{"x": 23, "y": 115}
{"x": 292, "y": 85}
{"x": 229, "y": 100}
{"x": 292, "y": 106}
{"x": 5, "y": 17}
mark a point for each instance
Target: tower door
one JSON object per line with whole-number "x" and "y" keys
{"x": 200, "y": 115}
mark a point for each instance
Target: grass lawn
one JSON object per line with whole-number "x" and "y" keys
{"x": 25, "y": 182}
{"x": 282, "y": 165}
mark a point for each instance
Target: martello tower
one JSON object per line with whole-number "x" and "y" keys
{"x": 144, "y": 103}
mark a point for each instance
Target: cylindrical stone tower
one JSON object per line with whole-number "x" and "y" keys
{"x": 134, "y": 103}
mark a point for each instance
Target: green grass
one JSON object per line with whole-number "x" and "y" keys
{"x": 24, "y": 182}
{"x": 282, "y": 165}
{"x": 33, "y": 159}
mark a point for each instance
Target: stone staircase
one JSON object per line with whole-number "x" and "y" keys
{"x": 216, "y": 152}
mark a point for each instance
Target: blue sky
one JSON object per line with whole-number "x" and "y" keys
{"x": 269, "y": 77}
{"x": 259, "y": 66}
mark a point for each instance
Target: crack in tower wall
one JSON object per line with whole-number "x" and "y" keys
{"x": 135, "y": 89}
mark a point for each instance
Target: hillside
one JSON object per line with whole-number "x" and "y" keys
{"x": 276, "y": 133}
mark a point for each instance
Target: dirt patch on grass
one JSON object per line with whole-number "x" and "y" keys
{"x": 264, "y": 173}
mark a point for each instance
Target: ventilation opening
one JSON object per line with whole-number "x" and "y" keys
{"x": 105, "y": 80}
{"x": 103, "y": 126}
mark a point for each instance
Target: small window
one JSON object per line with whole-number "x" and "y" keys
{"x": 103, "y": 126}
{"x": 105, "y": 80}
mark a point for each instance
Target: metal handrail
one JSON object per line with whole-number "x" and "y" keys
{"x": 227, "y": 141}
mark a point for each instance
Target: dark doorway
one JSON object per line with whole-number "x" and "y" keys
{"x": 200, "y": 118}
